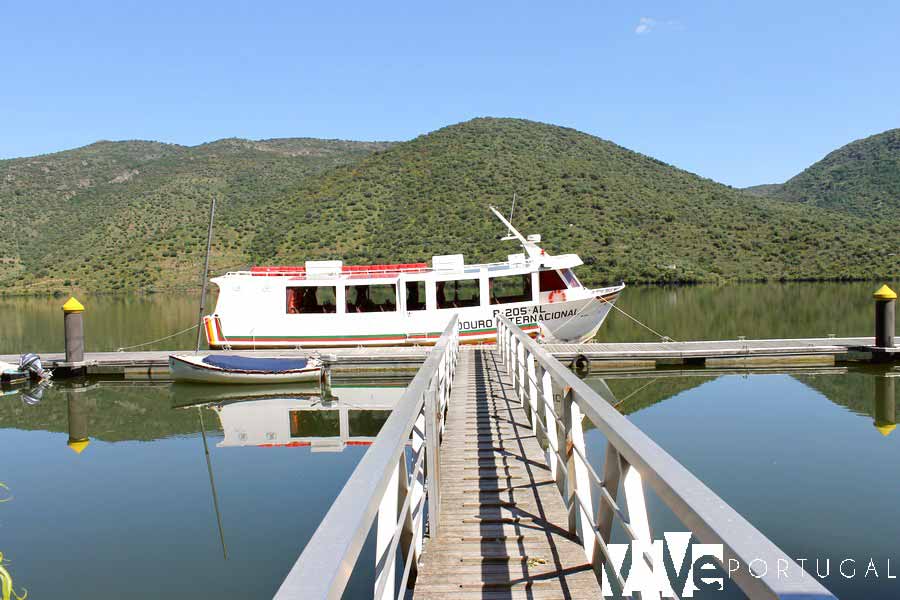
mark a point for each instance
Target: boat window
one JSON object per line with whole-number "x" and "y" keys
{"x": 311, "y": 299}
{"x": 511, "y": 288}
{"x": 550, "y": 281}
{"x": 314, "y": 423}
{"x": 458, "y": 293}
{"x": 415, "y": 295}
{"x": 570, "y": 278}
{"x": 371, "y": 298}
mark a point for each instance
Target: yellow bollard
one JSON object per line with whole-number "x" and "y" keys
{"x": 74, "y": 328}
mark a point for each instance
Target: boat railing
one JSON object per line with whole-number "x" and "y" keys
{"x": 556, "y": 400}
{"x": 378, "y": 270}
{"x": 389, "y": 487}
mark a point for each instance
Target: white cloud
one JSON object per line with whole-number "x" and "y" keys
{"x": 645, "y": 25}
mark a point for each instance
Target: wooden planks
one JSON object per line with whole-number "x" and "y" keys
{"x": 502, "y": 521}
{"x": 707, "y": 349}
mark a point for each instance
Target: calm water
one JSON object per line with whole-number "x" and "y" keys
{"x": 696, "y": 312}
{"x": 132, "y": 514}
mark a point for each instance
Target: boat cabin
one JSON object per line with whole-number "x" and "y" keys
{"x": 330, "y": 287}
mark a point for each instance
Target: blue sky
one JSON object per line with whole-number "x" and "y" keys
{"x": 743, "y": 94}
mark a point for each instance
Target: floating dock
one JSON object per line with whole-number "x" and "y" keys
{"x": 596, "y": 356}
{"x": 504, "y": 525}
{"x": 479, "y": 485}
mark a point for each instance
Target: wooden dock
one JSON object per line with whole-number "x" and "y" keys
{"x": 502, "y": 520}
{"x": 600, "y": 356}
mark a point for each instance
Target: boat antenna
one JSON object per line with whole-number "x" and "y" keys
{"x": 212, "y": 216}
{"x": 212, "y": 484}
{"x": 513, "y": 209}
{"x": 531, "y": 249}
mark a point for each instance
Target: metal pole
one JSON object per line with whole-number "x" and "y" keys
{"x": 212, "y": 484}
{"x": 212, "y": 215}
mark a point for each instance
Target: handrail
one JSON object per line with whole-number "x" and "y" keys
{"x": 633, "y": 457}
{"x": 374, "y": 489}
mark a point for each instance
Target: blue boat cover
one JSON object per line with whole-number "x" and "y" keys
{"x": 247, "y": 363}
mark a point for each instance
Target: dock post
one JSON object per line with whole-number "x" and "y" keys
{"x": 74, "y": 330}
{"x": 885, "y": 299}
{"x": 885, "y": 405}
{"x": 78, "y": 422}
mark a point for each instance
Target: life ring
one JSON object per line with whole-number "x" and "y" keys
{"x": 557, "y": 296}
{"x": 581, "y": 365}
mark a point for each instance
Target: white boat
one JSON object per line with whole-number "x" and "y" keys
{"x": 232, "y": 368}
{"x": 329, "y": 304}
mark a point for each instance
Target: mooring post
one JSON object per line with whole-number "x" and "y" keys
{"x": 885, "y": 405}
{"x": 73, "y": 322}
{"x": 885, "y": 299}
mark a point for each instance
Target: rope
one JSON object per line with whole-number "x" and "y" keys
{"x": 662, "y": 337}
{"x": 617, "y": 404}
{"x": 192, "y": 327}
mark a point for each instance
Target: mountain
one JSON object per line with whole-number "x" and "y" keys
{"x": 132, "y": 215}
{"x": 861, "y": 178}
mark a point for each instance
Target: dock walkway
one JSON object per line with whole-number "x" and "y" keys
{"x": 153, "y": 364}
{"x": 502, "y": 530}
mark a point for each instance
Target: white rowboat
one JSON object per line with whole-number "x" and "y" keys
{"x": 233, "y": 368}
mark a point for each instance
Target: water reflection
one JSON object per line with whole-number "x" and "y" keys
{"x": 345, "y": 415}
{"x": 78, "y": 421}
{"x": 171, "y": 473}
{"x": 789, "y": 451}
{"x": 885, "y": 405}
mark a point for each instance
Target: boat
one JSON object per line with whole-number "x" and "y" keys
{"x": 330, "y": 304}
{"x": 233, "y": 368}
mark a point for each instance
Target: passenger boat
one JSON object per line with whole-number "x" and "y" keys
{"x": 329, "y": 304}
{"x": 231, "y": 368}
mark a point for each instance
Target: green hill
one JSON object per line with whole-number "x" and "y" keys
{"x": 629, "y": 216}
{"x": 132, "y": 215}
{"x": 861, "y": 178}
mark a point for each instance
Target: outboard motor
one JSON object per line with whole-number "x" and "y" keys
{"x": 31, "y": 363}
{"x": 35, "y": 394}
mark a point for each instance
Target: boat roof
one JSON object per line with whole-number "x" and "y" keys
{"x": 533, "y": 258}
{"x": 318, "y": 270}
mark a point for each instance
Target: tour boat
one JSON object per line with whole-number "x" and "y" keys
{"x": 231, "y": 368}
{"x": 329, "y": 304}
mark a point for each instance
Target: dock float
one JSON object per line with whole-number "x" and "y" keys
{"x": 597, "y": 356}
{"x": 479, "y": 486}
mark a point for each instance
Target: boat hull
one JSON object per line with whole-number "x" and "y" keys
{"x": 192, "y": 369}
{"x": 572, "y": 320}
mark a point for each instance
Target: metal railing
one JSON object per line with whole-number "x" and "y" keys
{"x": 387, "y": 485}
{"x": 556, "y": 400}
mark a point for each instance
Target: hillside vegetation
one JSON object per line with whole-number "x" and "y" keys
{"x": 861, "y": 178}
{"x": 132, "y": 215}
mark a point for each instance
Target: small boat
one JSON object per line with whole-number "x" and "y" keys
{"x": 232, "y": 368}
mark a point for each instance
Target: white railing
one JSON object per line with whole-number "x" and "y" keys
{"x": 556, "y": 400}
{"x": 389, "y": 484}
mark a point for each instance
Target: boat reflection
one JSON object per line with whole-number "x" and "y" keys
{"x": 349, "y": 414}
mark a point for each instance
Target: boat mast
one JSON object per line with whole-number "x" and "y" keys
{"x": 532, "y": 249}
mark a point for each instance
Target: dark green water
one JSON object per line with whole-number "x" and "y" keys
{"x": 132, "y": 515}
